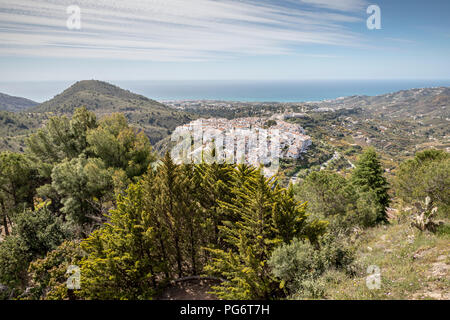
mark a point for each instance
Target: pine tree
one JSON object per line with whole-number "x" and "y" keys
{"x": 289, "y": 218}
{"x": 17, "y": 185}
{"x": 171, "y": 208}
{"x": 194, "y": 225}
{"x": 213, "y": 184}
{"x": 368, "y": 176}
{"x": 243, "y": 264}
{"x": 155, "y": 218}
{"x": 120, "y": 146}
{"x": 266, "y": 217}
{"x": 83, "y": 184}
{"x": 121, "y": 262}
{"x": 62, "y": 138}
{"x": 425, "y": 175}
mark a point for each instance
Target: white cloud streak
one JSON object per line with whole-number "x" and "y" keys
{"x": 174, "y": 30}
{"x": 340, "y": 5}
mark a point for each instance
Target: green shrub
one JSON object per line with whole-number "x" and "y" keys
{"x": 367, "y": 209}
{"x": 426, "y": 175}
{"x": 311, "y": 288}
{"x": 49, "y": 274}
{"x": 14, "y": 259}
{"x": 300, "y": 265}
{"x": 443, "y": 230}
{"x": 34, "y": 234}
{"x": 332, "y": 197}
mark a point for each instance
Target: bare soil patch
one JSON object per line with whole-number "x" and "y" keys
{"x": 189, "y": 290}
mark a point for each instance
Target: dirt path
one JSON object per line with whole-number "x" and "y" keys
{"x": 189, "y": 290}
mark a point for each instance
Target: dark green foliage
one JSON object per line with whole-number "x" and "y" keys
{"x": 34, "y": 234}
{"x": 443, "y": 230}
{"x": 62, "y": 138}
{"x": 156, "y": 233}
{"x": 49, "y": 274}
{"x": 366, "y": 210}
{"x": 161, "y": 226}
{"x": 18, "y": 182}
{"x": 212, "y": 185}
{"x": 122, "y": 262}
{"x": 327, "y": 193}
{"x": 120, "y": 146}
{"x": 368, "y": 176}
{"x": 172, "y": 204}
{"x": 14, "y": 261}
{"x": 270, "y": 123}
{"x": 39, "y": 230}
{"x": 76, "y": 165}
{"x": 266, "y": 216}
{"x": 334, "y": 198}
{"x": 426, "y": 175}
{"x": 83, "y": 185}
{"x": 85, "y": 161}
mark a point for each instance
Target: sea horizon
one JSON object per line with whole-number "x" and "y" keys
{"x": 232, "y": 90}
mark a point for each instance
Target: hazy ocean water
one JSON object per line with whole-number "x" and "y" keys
{"x": 281, "y": 91}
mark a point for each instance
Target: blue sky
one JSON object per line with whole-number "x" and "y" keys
{"x": 224, "y": 39}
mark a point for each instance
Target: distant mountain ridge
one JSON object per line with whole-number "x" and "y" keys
{"x": 12, "y": 103}
{"x": 412, "y": 102}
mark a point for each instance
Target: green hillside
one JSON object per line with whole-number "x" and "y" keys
{"x": 11, "y": 103}
{"x": 15, "y": 126}
{"x": 154, "y": 118}
{"x": 96, "y": 96}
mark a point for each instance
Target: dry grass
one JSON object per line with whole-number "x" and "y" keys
{"x": 414, "y": 265}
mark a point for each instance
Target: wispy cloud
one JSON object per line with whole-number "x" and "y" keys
{"x": 175, "y": 30}
{"x": 340, "y": 5}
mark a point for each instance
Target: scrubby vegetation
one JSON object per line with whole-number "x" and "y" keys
{"x": 15, "y": 127}
{"x": 154, "y": 118}
{"x": 91, "y": 193}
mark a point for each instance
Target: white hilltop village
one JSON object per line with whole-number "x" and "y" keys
{"x": 253, "y": 140}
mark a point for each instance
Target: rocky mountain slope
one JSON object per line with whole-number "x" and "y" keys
{"x": 11, "y": 103}
{"x": 406, "y": 103}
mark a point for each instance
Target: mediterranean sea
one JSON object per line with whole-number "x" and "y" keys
{"x": 228, "y": 90}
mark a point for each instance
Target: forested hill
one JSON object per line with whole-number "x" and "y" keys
{"x": 96, "y": 96}
{"x": 156, "y": 119}
{"x": 11, "y": 103}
